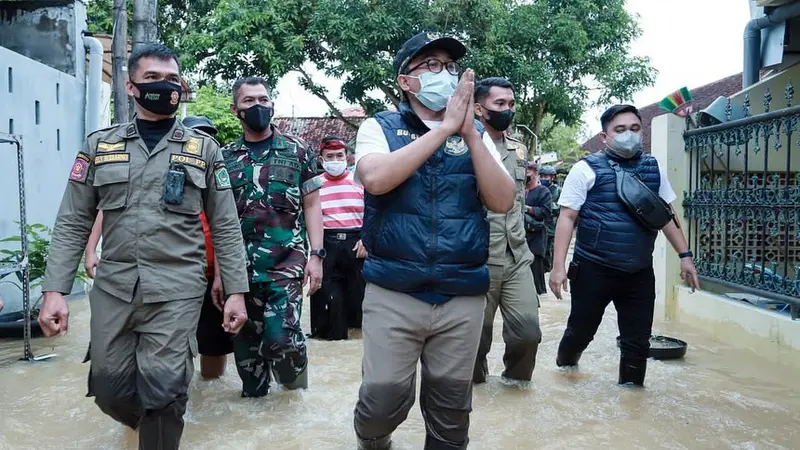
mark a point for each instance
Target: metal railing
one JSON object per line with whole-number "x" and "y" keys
{"x": 21, "y": 266}
{"x": 743, "y": 202}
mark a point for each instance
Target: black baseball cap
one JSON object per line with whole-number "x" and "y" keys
{"x": 202, "y": 123}
{"x": 425, "y": 41}
{"x": 616, "y": 110}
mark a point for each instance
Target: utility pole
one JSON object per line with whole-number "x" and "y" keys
{"x": 145, "y": 26}
{"x": 119, "y": 61}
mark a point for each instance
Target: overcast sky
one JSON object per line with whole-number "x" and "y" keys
{"x": 690, "y": 43}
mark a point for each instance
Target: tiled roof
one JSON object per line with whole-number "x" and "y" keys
{"x": 314, "y": 129}
{"x": 702, "y": 97}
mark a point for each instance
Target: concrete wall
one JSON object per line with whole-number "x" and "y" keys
{"x": 771, "y": 335}
{"x": 49, "y": 145}
{"x": 774, "y": 336}
{"x": 45, "y": 31}
{"x": 42, "y": 105}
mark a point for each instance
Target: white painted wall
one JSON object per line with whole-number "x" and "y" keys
{"x": 49, "y": 146}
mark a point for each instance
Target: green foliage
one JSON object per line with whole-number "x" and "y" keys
{"x": 215, "y": 104}
{"x": 560, "y": 138}
{"x": 100, "y": 16}
{"x": 556, "y": 52}
{"x": 38, "y": 247}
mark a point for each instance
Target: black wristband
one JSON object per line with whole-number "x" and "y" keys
{"x": 686, "y": 254}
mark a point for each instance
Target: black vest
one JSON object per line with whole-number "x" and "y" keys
{"x": 430, "y": 234}
{"x": 607, "y": 234}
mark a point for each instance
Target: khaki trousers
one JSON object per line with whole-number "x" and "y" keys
{"x": 142, "y": 363}
{"x": 400, "y": 330}
{"x": 512, "y": 290}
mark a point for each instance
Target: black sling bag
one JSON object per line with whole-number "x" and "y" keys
{"x": 650, "y": 210}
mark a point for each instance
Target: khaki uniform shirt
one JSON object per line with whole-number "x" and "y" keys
{"x": 145, "y": 239}
{"x": 507, "y": 231}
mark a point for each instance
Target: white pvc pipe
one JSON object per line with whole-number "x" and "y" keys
{"x": 94, "y": 84}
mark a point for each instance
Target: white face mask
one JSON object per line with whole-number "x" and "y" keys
{"x": 334, "y": 168}
{"x": 625, "y": 145}
{"x": 435, "y": 89}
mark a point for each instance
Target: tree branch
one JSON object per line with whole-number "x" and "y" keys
{"x": 390, "y": 94}
{"x": 546, "y": 133}
{"x": 321, "y": 95}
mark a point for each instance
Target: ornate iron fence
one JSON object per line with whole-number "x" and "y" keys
{"x": 743, "y": 203}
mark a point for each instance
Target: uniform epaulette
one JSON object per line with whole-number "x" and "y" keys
{"x": 200, "y": 132}
{"x": 108, "y": 128}
{"x": 203, "y": 134}
{"x": 295, "y": 140}
{"x": 512, "y": 138}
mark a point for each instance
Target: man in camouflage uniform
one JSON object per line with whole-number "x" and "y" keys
{"x": 277, "y": 197}
{"x": 511, "y": 286}
{"x": 547, "y": 176}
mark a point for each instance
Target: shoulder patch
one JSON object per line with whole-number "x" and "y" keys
{"x": 221, "y": 177}
{"x": 109, "y": 158}
{"x": 104, "y": 147}
{"x": 188, "y": 160}
{"x": 521, "y": 153}
{"x": 80, "y": 168}
{"x": 193, "y": 146}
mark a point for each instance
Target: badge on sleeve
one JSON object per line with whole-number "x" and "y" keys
{"x": 221, "y": 177}
{"x": 80, "y": 168}
{"x": 521, "y": 153}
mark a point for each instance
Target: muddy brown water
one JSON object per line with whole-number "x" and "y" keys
{"x": 717, "y": 397}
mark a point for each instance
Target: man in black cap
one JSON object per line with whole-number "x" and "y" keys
{"x": 429, "y": 173}
{"x": 201, "y": 123}
{"x": 613, "y": 260}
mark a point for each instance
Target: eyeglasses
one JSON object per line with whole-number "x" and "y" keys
{"x": 436, "y": 66}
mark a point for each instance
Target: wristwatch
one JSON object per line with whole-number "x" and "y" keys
{"x": 686, "y": 254}
{"x": 319, "y": 252}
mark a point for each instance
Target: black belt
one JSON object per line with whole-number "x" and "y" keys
{"x": 342, "y": 235}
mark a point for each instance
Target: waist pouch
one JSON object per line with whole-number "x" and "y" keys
{"x": 644, "y": 205}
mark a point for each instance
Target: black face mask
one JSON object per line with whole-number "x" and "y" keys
{"x": 499, "y": 120}
{"x": 256, "y": 117}
{"x": 160, "y": 97}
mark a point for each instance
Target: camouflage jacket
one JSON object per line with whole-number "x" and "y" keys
{"x": 269, "y": 187}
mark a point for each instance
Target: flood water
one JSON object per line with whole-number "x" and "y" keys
{"x": 717, "y": 397}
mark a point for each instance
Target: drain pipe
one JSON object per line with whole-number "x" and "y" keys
{"x": 94, "y": 83}
{"x": 752, "y": 39}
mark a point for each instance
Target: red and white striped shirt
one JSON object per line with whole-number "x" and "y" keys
{"x": 342, "y": 201}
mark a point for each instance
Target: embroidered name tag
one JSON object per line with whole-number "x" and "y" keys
{"x": 188, "y": 160}
{"x": 286, "y": 162}
{"x": 112, "y": 158}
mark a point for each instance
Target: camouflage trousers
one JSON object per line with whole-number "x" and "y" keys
{"x": 272, "y": 343}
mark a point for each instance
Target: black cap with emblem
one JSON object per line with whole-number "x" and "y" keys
{"x": 201, "y": 123}
{"x": 423, "y": 42}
